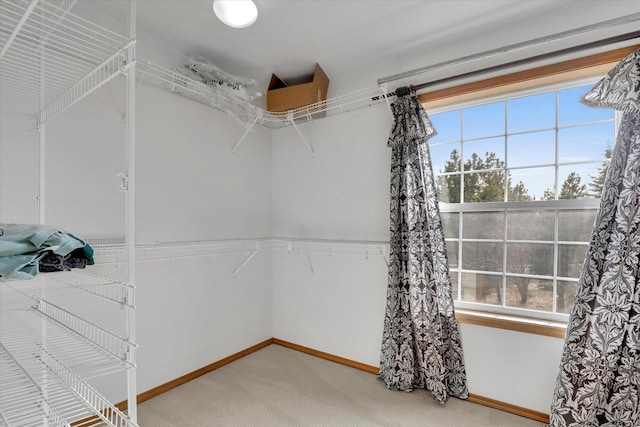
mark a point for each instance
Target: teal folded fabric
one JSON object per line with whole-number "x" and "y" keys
{"x": 22, "y": 246}
{"x": 16, "y": 267}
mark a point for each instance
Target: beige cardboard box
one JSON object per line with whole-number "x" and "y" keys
{"x": 281, "y": 97}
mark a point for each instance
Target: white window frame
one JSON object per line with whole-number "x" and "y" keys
{"x": 556, "y": 205}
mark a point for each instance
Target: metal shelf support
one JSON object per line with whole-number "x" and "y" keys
{"x": 307, "y": 261}
{"x": 259, "y": 115}
{"x": 248, "y": 259}
{"x": 307, "y": 143}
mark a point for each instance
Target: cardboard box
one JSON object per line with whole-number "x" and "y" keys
{"x": 281, "y": 97}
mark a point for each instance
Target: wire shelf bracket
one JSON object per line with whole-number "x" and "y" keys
{"x": 246, "y": 132}
{"x": 248, "y": 259}
{"x": 306, "y": 141}
{"x": 306, "y": 259}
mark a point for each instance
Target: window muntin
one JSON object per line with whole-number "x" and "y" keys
{"x": 518, "y": 182}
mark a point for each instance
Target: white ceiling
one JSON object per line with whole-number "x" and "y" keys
{"x": 351, "y": 38}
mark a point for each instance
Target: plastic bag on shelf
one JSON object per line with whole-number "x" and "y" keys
{"x": 201, "y": 69}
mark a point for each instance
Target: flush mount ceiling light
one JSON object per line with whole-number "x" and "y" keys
{"x": 236, "y": 13}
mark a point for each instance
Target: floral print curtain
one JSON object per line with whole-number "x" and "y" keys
{"x": 599, "y": 379}
{"x": 421, "y": 345}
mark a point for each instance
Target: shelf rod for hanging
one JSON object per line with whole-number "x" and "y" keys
{"x": 523, "y": 45}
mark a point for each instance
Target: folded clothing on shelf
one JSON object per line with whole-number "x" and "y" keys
{"x": 24, "y": 246}
{"x": 55, "y": 262}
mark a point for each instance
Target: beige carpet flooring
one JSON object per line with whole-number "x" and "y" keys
{"x": 277, "y": 386}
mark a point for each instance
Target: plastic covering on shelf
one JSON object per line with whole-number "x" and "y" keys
{"x": 201, "y": 69}
{"x": 213, "y": 96}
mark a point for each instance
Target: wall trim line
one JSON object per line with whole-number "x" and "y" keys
{"x": 508, "y": 407}
{"x": 474, "y": 398}
{"x": 328, "y": 356}
{"x": 156, "y": 391}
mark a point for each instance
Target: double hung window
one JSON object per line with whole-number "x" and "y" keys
{"x": 519, "y": 178}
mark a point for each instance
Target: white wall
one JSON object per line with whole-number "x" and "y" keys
{"x": 509, "y": 366}
{"x": 192, "y": 187}
{"x": 18, "y": 170}
{"x": 338, "y": 308}
{"x": 343, "y": 193}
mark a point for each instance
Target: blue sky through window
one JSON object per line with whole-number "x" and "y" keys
{"x": 529, "y": 124}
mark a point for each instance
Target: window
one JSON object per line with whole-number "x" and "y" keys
{"x": 519, "y": 177}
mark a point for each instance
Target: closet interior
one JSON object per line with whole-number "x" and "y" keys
{"x": 216, "y": 224}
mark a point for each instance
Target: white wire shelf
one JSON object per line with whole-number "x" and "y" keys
{"x": 114, "y": 347}
{"x": 51, "y": 58}
{"x": 103, "y": 412}
{"x": 114, "y": 252}
{"x": 90, "y": 350}
{"x": 37, "y": 387}
{"x": 46, "y": 285}
{"x": 364, "y": 248}
{"x": 337, "y": 105}
{"x": 245, "y": 112}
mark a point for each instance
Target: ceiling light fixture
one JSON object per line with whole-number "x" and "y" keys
{"x": 236, "y": 13}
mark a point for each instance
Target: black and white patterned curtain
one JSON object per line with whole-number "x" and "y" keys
{"x": 599, "y": 379}
{"x": 421, "y": 341}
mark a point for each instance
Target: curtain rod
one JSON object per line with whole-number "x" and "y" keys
{"x": 557, "y": 53}
{"x": 523, "y": 45}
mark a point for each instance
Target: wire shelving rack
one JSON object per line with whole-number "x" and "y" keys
{"x": 50, "y": 59}
{"x": 48, "y": 355}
